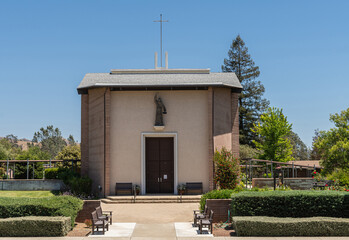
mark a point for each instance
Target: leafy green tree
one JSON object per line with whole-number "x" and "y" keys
{"x": 315, "y": 153}
{"x": 70, "y": 152}
{"x": 50, "y": 139}
{"x": 333, "y": 145}
{"x": 272, "y": 131}
{"x": 12, "y": 138}
{"x": 251, "y": 101}
{"x": 300, "y": 151}
{"x": 71, "y": 140}
{"x": 33, "y": 153}
{"x": 247, "y": 151}
{"x": 8, "y": 149}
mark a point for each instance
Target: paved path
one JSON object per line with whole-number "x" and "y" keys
{"x": 152, "y": 213}
{"x": 184, "y": 238}
{"x": 153, "y": 230}
{"x": 160, "y": 221}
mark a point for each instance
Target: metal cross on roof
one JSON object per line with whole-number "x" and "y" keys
{"x": 160, "y": 21}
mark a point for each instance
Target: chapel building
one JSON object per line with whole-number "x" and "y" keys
{"x": 156, "y": 128}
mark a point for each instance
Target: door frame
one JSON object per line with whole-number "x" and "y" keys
{"x": 143, "y": 173}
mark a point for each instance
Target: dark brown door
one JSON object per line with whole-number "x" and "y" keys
{"x": 159, "y": 165}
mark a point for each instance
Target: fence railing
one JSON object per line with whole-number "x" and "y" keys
{"x": 274, "y": 165}
{"x": 49, "y": 164}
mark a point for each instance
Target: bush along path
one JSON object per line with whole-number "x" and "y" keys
{"x": 65, "y": 206}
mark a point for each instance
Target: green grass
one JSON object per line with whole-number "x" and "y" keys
{"x": 27, "y": 194}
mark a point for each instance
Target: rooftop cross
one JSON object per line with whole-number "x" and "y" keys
{"x": 161, "y": 21}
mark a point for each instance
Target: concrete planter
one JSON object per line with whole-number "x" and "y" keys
{"x": 294, "y": 183}
{"x": 31, "y": 184}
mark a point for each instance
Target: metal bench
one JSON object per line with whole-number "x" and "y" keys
{"x": 193, "y": 187}
{"x": 123, "y": 189}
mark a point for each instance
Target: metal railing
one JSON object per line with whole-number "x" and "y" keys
{"x": 50, "y": 162}
{"x": 279, "y": 165}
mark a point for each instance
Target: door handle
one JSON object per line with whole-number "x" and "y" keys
{"x": 160, "y": 179}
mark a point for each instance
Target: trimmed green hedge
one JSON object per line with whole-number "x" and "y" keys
{"x": 291, "y": 204}
{"x": 271, "y": 226}
{"x": 215, "y": 194}
{"x": 66, "y": 206}
{"x": 51, "y": 173}
{"x": 34, "y": 226}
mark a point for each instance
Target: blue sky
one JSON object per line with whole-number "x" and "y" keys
{"x": 46, "y": 47}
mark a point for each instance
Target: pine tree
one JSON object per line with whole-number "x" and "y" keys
{"x": 300, "y": 150}
{"x": 251, "y": 102}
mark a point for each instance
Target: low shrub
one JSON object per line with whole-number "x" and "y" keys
{"x": 35, "y": 226}
{"x": 271, "y": 226}
{"x": 291, "y": 204}
{"x": 79, "y": 186}
{"x": 51, "y": 173}
{"x": 66, "y": 206}
{"x": 2, "y": 173}
{"x": 340, "y": 176}
{"x": 215, "y": 194}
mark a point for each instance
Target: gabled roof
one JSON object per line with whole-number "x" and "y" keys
{"x": 128, "y": 78}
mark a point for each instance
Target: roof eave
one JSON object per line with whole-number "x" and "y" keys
{"x": 83, "y": 90}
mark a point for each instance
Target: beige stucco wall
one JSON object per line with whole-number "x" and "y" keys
{"x": 133, "y": 112}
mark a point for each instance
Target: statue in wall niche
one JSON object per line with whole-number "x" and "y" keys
{"x": 160, "y": 109}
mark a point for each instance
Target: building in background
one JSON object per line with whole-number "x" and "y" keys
{"x": 156, "y": 127}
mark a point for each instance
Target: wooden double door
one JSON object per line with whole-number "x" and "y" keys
{"x": 159, "y": 158}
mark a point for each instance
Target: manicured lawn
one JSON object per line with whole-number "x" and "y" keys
{"x": 28, "y": 194}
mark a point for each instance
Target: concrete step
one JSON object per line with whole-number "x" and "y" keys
{"x": 153, "y": 199}
{"x": 108, "y": 201}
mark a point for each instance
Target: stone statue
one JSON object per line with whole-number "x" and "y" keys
{"x": 160, "y": 109}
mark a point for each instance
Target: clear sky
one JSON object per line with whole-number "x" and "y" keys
{"x": 46, "y": 48}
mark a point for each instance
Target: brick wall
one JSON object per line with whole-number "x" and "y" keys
{"x": 84, "y": 134}
{"x": 107, "y": 143}
{"x": 235, "y": 123}
{"x": 220, "y": 208}
{"x": 88, "y": 207}
{"x": 96, "y": 138}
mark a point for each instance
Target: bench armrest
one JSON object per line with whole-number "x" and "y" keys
{"x": 107, "y": 212}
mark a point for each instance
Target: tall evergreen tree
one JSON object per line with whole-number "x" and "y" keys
{"x": 251, "y": 101}
{"x": 50, "y": 139}
{"x": 300, "y": 151}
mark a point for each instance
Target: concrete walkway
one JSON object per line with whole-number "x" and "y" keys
{"x": 159, "y": 221}
{"x": 183, "y": 238}
{"x": 153, "y": 230}
{"x": 152, "y": 213}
